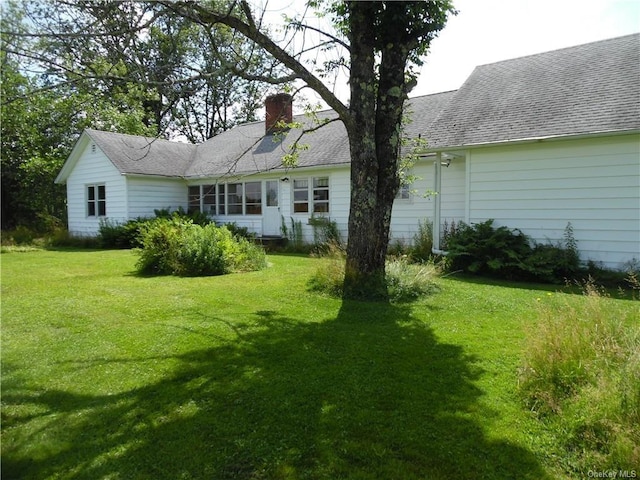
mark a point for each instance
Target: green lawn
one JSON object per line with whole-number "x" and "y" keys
{"x": 106, "y": 374}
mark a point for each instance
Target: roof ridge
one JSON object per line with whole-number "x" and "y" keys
{"x": 558, "y": 50}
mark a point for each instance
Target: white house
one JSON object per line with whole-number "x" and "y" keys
{"x": 534, "y": 143}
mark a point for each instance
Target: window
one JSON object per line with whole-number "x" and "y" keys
{"x": 234, "y": 199}
{"x": 253, "y": 198}
{"x": 209, "y": 199}
{"x": 96, "y": 201}
{"x": 221, "y": 199}
{"x": 227, "y": 198}
{"x": 316, "y": 189}
{"x": 300, "y": 196}
{"x": 194, "y": 199}
{"x": 404, "y": 192}
{"x": 321, "y": 195}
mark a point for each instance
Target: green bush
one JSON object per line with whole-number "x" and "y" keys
{"x": 23, "y": 235}
{"x": 508, "y": 253}
{"x": 483, "y": 249}
{"x": 121, "y": 235}
{"x": 176, "y": 246}
{"x": 61, "y": 237}
{"x": 127, "y": 235}
{"x": 581, "y": 376}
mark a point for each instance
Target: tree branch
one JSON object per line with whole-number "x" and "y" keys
{"x": 205, "y": 16}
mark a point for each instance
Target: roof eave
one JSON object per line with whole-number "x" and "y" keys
{"x": 522, "y": 141}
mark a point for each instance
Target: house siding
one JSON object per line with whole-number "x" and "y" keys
{"x": 408, "y": 213}
{"x": 540, "y": 188}
{"x": 147, "y": 194}
{"x": 338, "y": 200}
{"x": 93, "y": 167}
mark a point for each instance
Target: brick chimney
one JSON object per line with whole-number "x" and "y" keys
{"x": 279, "y": 108}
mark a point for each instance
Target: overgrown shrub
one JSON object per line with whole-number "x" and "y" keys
{"x": 508, "y": 253}
{"x": 483, "y": 249}
{"x": 121, "y": 235}
{"x": 240, "y": 232}
{"x": 407, "y": 281}
{"x": 294, "y": 235}
{"x": 581, "y": 375}
{"x": 127, "y": 235}
{"x": 22, "y": 235}
{"x": 175, "y": 246}
{"x": 61, "y": 237}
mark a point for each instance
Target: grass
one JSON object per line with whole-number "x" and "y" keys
{"x": 106, "y": 374}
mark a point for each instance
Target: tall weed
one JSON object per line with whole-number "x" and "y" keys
{"x": 581, "y": 375}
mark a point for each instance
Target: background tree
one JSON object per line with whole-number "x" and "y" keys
{"x": 118, "y": 66}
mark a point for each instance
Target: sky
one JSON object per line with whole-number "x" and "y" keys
{"x": 487, "y": 31}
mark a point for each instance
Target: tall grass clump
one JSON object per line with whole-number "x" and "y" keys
{"x": 405, "y": 281}
{"x": 174, "y": 246}
{"x": 581, "y": 377}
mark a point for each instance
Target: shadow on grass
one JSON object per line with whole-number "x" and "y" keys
{"x": 371, "y": 394}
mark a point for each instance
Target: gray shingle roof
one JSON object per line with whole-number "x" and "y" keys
{"x": 132, "y": 154}
{"x": 245, "y": 149}
{"x": 586, "y": 89}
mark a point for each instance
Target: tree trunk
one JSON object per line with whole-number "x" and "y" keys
{"x": 377, "y": 99}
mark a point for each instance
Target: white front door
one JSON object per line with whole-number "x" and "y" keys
{"x": 271, "y": 221}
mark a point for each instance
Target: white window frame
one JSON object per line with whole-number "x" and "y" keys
{"x": 312, "y": 199}
{"x": 219, "y": 193}
{"x": 404, "y": 193}
{"x": 96, "y": 201}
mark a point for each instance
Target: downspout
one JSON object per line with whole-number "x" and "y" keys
{"x": 437, "y": 184}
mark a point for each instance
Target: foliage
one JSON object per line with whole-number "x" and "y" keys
{"x": 127, "y": 235}
{"x": 293, "y": 234}
{"x": 40, "y": 124}
{"x": 404, "y": 280}
{"x": 173, "y": 67}
{"x": 240, "y": 232}
{"x": 179, "y": 247}
{"x": 325, "y": 232}
{"x": 581, "y": 374}
{"x": 422, "y": 245}
{"x": 448, "y": 230}
{"x": 486, "y": 250}
{"x": 407, "y": 281}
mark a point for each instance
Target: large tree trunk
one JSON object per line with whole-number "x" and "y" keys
{"x": 377, "y": 99}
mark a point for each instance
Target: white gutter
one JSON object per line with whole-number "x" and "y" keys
{"x": 437, "y": 185}
{"x": 522, "y": 141}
